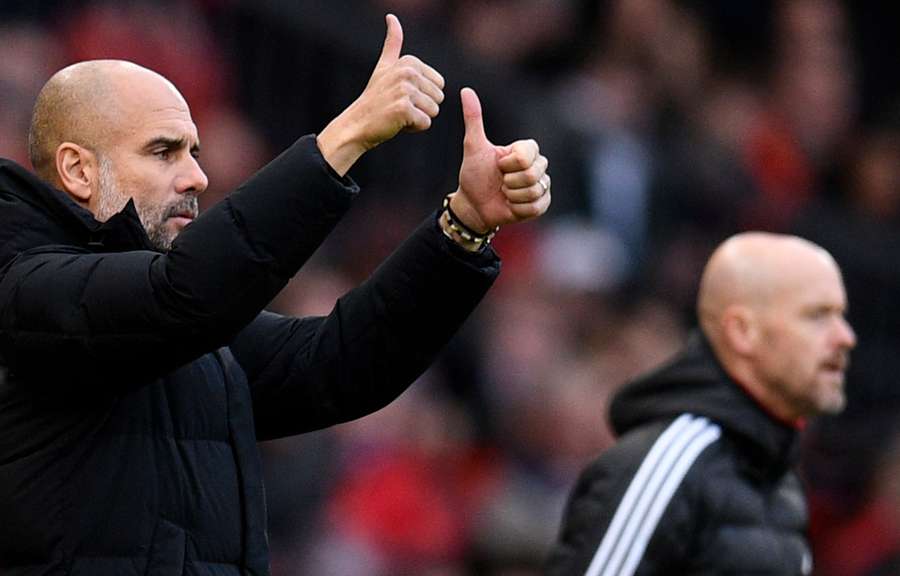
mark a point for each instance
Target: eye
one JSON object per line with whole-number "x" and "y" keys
{"x": 820, "y": 314}
{"x": 163, "y": 154}
{"x": 824, "y": 314}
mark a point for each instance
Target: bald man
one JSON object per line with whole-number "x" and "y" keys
{"x": 137, "y": 366}
{"x": 701, "y": 480}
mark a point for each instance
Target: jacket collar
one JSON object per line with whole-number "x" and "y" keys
{"x": 37, "y": 214}
{"x": 123, "y": 231}
{"x": 695, "y": 382}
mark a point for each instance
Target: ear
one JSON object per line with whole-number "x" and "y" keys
{"x": 740, "y": 329}
{"x": 78, "y": 171}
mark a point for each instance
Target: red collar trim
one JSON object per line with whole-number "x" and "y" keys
{"x": 797, "y": 424}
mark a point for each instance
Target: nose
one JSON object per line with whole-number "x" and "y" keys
{"x": 192, "y": 179}
{"x": 846, "y": 336}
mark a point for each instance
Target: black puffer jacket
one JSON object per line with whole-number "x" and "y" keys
{"x": 700, "y": 483}
{"x": 135, "y": 384}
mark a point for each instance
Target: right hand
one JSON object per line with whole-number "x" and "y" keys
{"x": 403, "y": 93}
{"x": 498, "y": 185}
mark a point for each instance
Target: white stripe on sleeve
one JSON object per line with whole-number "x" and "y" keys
{"x": 649, "y": 493}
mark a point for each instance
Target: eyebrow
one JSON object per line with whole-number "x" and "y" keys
{"x": 170, "y": 143}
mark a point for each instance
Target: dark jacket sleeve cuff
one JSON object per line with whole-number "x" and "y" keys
{"x": 483, "y": 260}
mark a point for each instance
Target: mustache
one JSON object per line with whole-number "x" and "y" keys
{"x": 839, "y": 361}
{"x": 185, "y": 206}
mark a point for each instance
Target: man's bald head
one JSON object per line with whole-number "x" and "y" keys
{"x": 85, "y": 103}
{"x": 772, "y": 307}
{"x": 751, "y": 268}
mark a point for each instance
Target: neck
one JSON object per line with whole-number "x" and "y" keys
{"x": 769, "y": 401}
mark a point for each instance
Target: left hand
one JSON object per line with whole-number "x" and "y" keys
{"x": 497, "y": 184}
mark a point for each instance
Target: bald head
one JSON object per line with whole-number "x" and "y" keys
{"x": 752, "y": 268}
{"x": 88, "y": 104}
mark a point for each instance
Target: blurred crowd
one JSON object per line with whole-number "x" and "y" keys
{"x": 670, "y": 125}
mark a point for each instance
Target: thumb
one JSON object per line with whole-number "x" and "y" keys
{"x": 393, "y": 42}
{"x": 471, "y": 109}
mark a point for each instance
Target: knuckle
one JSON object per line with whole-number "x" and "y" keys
{"x": 403, "y": 109}
{"x": 514, "y": 161}
{"x": 524, "y": 211}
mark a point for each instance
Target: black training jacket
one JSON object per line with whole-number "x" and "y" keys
{"x": 699, "y": 483}
{"x": 135, "y": 384}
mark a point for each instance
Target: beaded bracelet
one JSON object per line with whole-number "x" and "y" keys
{"x": 466, "y": 233}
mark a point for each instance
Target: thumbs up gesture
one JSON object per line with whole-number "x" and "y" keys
{"x": 497, "y": 184}
{"x": 403, "y": 93}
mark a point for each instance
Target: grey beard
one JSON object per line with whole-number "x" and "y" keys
{"x": 153, "y": 218}
{"x": 111, "y": 200}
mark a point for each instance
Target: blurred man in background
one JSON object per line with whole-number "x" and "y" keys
{"x": 702, "y": 480}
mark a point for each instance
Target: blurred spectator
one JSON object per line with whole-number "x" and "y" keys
{"x": 233, "y": 149}
{"x": 170, "y": 38}
{"x": 512, "y": 33}
{"x": 867, "y": 543}
{"x": 407, "y": 484}
{"x": 31, "y": 55}
{"x": 810, "y": 109}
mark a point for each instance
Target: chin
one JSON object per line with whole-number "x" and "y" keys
{"x": 172, "y": 230}
{"x": 834, "y": 404}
